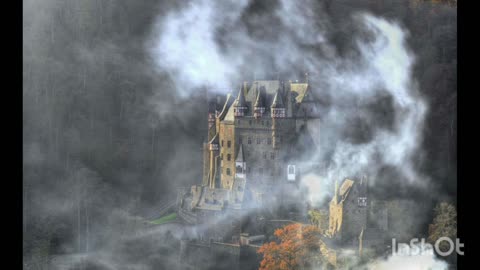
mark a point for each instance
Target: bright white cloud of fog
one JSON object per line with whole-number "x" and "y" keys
{"x": 186, "y": 46}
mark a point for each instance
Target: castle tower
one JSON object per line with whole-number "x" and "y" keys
{"x": 277, "y": 112}
{"x": 240, "y": 105}
{"x": 259, "y": 107}
{"x": 214, "y": 149}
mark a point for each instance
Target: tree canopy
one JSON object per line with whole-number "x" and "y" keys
{"x": 298, "y": 246}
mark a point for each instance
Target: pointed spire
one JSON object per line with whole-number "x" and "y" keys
{"x": 259, "y": 107}
{"x": 245, "y": 87}
{"x": 240, "y": 157}
{"x": 277, "y": 100}
{"x": 240, "y": 105}
{"x": 240, "y": 101}
{"x": 259, "y": 100}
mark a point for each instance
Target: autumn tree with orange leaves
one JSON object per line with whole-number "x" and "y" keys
{"x": 298, "y": 247}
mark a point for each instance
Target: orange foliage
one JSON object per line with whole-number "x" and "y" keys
{"x": 298, "y": 245}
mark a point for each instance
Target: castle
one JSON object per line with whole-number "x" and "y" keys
{"x": 258, "y": 145}
{"x": 253, "y": 147}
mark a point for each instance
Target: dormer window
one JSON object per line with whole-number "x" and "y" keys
{"x": 278, "y": 112}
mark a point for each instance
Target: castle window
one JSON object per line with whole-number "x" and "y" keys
{"x": 269, "y": 141}
{"x": 222, "y": 143}
{"x": 229, "y": 157}
{"x": 362, "y": 201}
{"x": 249, "y": 140}
{"x": 272, "y": 155}
{"x": 259, "y": 140}
{"x": 228, "y": 171}
{"x": 291, "y": 169}
{"x": 229, "y": 143}
{"x": 221, "y": 156}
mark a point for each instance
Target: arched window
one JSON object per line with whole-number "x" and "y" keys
{"x": 291, "y": 169}
{"x": 229, "y": 157}
{"x": 228, "y": 171}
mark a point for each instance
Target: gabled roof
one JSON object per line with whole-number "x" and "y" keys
{"x": 300, "y": 90}
{"x": 346, "y": 186}
{"x": 226, "y": 107}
